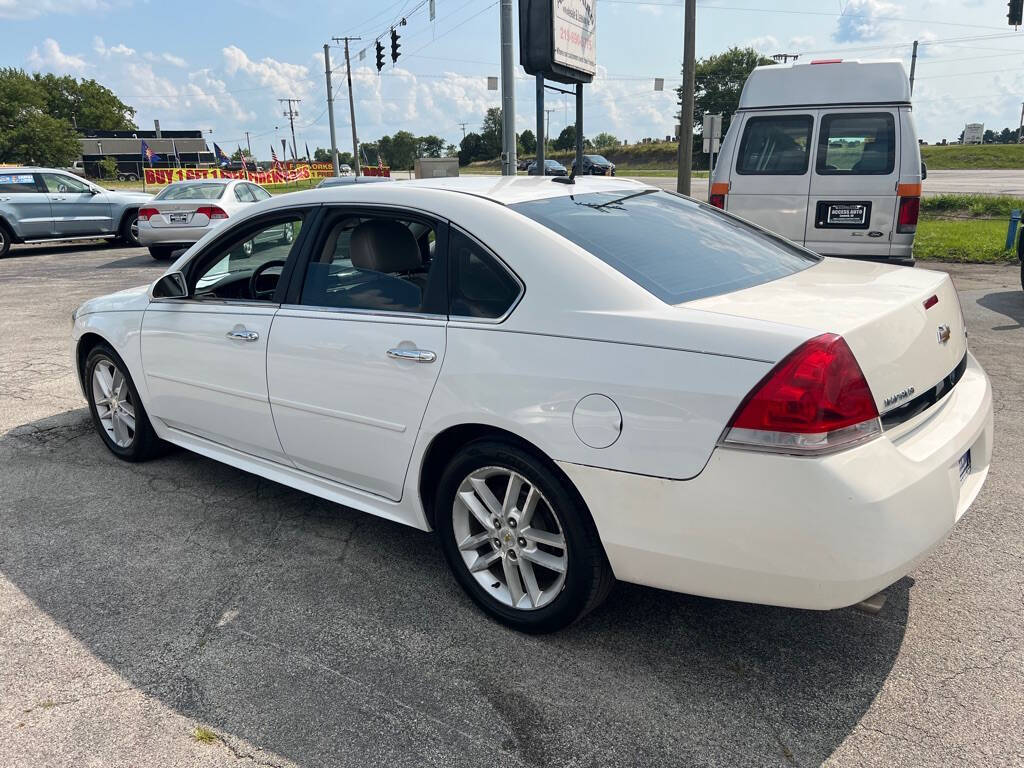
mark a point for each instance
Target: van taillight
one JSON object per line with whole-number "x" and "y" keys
{"x": 718, "y": 201}
{"x": 906, "y": 223}
{"x": 717, "y": 194}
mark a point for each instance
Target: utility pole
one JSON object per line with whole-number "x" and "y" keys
{"x": 1020, "y": 131}
{"x": 508, "y": 93}
{"x": 547, "y": 130}
{"x": 351, "y": 102}
{"x": 248, "y": 144}
{"x": 330, "y": 108}
{"x": 291, "y": 114}
{"x": 913, "y": 68}
{"x": 685, "y": 156}
{"x": 463, "y": 128}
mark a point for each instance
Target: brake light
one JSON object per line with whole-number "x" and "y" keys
{"x": 717, "y": 194}
{"x": 910, "y": 208}
{"x": 211, "y": 212}
{"x": 718, "y": 201}
{"x": 827, "y": 61}
{"x": 815, "y": 400}
{"x": 146, "y": 213}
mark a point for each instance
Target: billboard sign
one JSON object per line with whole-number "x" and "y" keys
{"x": 575, "y": 34}
{"x": 974, "y": 133}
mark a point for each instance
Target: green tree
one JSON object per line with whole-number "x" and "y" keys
{"x": 472, "y": 148}
{"x": 490, "y": 133}
{"x": 108, "y": 167}
{"x": 398, "y": 151}
{"x": 451, "y": 151}
{"x": 605, "y": 141}
{"x": 28, "y": 133}
{"x": 239, "y": 153}
{"x": 567, "y": 138}
{"x": 528, "y": 141}
{"x": 719, "y": 80}
{"x": 85, "y": 104}
{"x": 430, "y": 146}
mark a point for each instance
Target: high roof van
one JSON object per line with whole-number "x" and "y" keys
{"x": 826, "y": 154}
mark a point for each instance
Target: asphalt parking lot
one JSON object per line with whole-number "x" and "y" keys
{"x": 138, "y": 602}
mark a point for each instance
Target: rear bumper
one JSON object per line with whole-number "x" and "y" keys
{"x": 803, "y": 532}
{"x": 172, "y": 235}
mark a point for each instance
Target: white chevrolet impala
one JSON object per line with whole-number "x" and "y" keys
{"x": 568, "y": 383}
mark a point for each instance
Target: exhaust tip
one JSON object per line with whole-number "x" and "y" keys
{"x": 871, "y": 605}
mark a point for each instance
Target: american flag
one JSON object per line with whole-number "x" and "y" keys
{"x": 273, "y": 156}
{"x": 241, "y": 156}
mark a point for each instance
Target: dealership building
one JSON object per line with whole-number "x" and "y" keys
{"x": 175, "y": 148}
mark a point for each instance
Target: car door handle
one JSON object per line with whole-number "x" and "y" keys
{"x": 240, "y": 334}
{"x": 415, "y": 355}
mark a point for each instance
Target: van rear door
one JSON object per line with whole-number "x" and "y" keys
{"x": 852, "y": 209}
{"x": 770, "y": 179}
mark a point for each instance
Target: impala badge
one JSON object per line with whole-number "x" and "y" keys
{"x": 944, "y": 334}
{"x": 899, "y": 397}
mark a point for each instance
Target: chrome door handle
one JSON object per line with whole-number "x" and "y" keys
{"x": 243, "y": 335}
{"x": 415, "y": 355}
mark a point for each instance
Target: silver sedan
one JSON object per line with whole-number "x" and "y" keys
{"x": 185, "y": 211}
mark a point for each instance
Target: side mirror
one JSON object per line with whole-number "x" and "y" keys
{"x": 924, "y": 171}
{"x": 170, "y": 286}
{"x": 93, "y": 191}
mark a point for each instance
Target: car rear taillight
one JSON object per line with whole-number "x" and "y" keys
{"x": 146, "y": 213}
{"x": 906, "y": 222}
{"x": 718, "y": 192}
{"x": 211, "y": 212}
{"x": 718, "y": 201}
{"x": 815, "y": 400}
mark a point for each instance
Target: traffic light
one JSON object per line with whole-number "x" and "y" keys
{"x": 1016, "y": 12}
{"x": 380, "y": 56}
{"x": 394, "y": 45}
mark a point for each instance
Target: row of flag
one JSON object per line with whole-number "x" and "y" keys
{"x": 150, "y": 156}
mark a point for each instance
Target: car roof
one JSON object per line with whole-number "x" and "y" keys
{"x": 506, "y": 190}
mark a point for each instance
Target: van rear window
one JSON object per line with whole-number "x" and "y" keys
{"x": 677, "y": 249}
{"x": 775, "y": 146}
{"x": 857, "y": 145}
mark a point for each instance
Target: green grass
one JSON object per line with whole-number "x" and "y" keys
{"x": 973, "y": 157}
{"x": 971, "y": 205}
{"x": 966, "y": 240}
{"x": 204, "y": 735}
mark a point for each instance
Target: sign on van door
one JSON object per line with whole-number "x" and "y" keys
{"x": 770, "y": 182}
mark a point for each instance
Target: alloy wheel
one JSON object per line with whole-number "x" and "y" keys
{"x": 133, "y": 229}
{"x": 510, "y": 538}
{"x": 113, "y": 400}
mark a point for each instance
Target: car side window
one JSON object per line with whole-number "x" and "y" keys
{"x": 17, "y": 183}
{"x": 243, "y": 194}
{"x": 481, "y": 286}
{"x": 259, "y": 193}
{"x": 857, "y": 145}
{"x": 246, "y": 266}
{"x": 376, "y": 263}
{"x": 58, "y": 183}
{"x": 776, "y": 145}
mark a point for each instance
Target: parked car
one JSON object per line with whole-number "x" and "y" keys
{"x": 345, "y": 169}
{"x": 551, "y": 168}
{"x": 184, "y": 211}
{"x": 524, "y": 163}
{"x": 595, "y": 165}
{"x": 569, "y": 384}
{"x": 826, "y": 155}
{"x": 335, "y": 181}
{"x": 48, "y": 204}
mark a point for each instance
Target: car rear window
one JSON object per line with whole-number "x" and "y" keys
{"x": 857, "y": 145}
{"x": 775, "y": 145}
{"x": 677, "y": 249}
{"x": 192, "y": 192}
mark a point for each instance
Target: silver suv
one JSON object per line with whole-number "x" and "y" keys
{"x": 40, "y": 204}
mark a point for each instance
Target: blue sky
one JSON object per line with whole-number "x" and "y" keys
{"x": 222, "y": 65}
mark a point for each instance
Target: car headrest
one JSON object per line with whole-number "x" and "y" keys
{"x": 384, "y": 245}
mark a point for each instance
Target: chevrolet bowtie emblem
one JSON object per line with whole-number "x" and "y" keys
{"x": 944, "y": 334}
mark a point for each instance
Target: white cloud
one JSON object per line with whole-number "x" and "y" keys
{"x": 279, "y": 77}
{"x": 120, "y": 49}
{"x": 203, "y": 90}
{"x": 800, "y": 43}
{"x": 763, "y": 44}
{"x": 52, "y": 58}
{"x": 32, "y": 9}
{"x": 169, "y": 58}
{"x": 863, "y": 20}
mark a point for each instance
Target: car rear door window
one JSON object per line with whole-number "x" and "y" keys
{"x": 857, "y": 145}
{"x": 481, "y": 286}
{"x": 17, "y": 183}
{"x": 259, "y": 193}
{"x": 776, "y": 145}
{"x": 677, "y": 249}
{"x": 243, "y": 194}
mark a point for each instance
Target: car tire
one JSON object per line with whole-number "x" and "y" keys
{"x": 160, "y": 252}
{"x": 5, "y": 241}
{"x": 129, "y": 234}
{"x": 512, "y": 571}
{"x": 117, "y": 411}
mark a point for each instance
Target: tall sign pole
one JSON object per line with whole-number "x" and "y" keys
{"x": 351, "y": 103}
{"x": 508, "y": 93}
{"x": 685, "y": 157}
{"x": 913, "y": 68}
{"x": 330, "y": 108}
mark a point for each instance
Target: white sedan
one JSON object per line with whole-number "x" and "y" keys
{"x": 182, "y": 212}
{"x": 568, "y": 383}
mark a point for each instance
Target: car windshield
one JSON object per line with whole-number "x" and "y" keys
{"x": 677, "y": 249}
{"x": 598, "y": 159}
{"x": 192, "y": 192}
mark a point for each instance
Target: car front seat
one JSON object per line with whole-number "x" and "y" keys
{"x": 389, "y": 249}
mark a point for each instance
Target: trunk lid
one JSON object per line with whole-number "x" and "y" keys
{"x": 902, "y": 347}
{"x": 180, "y": 214}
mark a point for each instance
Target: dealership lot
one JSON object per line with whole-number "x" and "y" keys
{"x": 139, "y": 602}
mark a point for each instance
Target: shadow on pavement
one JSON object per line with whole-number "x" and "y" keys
{"x": 325, "y": 636}
{"x": 1009, "y": 303}
{"x": 27, "y": 251}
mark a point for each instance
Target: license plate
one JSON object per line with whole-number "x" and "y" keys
{"x": 178, "y": 218}
{"x": 965, "y": 466}
{"x": 847, "y": 213}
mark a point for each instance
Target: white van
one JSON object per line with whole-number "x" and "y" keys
{"x": 826, "y": 154}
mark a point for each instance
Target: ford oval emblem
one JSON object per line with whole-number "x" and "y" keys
{"x": 875, "y": 233}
